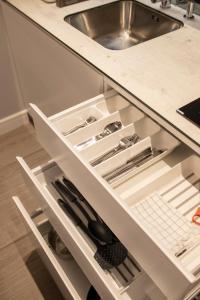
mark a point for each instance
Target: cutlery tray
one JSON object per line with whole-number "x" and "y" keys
{"x": 133, "y": 122}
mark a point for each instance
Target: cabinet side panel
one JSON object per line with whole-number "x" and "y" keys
{"x": 50, "y": 75}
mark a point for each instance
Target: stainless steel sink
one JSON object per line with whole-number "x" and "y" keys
{"x": 122, "y": 24}
{"x": 62, "y": 3}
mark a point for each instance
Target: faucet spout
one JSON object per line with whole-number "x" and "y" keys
{"x": 190, "y": 9}
{"x": 164, "y": 3}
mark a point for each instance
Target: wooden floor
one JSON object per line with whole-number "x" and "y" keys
{"x": 22, "y": 274}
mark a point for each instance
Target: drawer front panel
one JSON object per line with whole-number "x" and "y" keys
{"x": 48, "y": 258}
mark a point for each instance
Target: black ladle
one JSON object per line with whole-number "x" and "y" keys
{"x": 97, "y": 228}
{"x": 79, "y": 197}
{"x": 108, "y": 255}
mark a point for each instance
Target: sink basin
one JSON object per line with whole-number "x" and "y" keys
{"x": 122, "y": 24}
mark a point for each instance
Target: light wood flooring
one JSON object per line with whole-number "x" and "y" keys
{"x": 22, "y": 274}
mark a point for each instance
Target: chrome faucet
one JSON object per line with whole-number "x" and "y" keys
{"x": 62, "y": 3}
{"x": 190, "y": 8}
{"x": 164, "y": 3}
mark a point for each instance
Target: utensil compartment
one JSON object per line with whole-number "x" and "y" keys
{"x": 92, "y": 130}
{"x": 142, "y": 128}
{"x": 121, "y": 283}
{"x": 91, "y": 142}
{"x": 168, "y": 220}
{"x": 98, "y": 107}
{"x": 160, "y": 145}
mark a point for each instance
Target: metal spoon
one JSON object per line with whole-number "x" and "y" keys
{"x": 88, "y": 121}
{"x": 108, "y": 129}
{"x": 124, "y": 143}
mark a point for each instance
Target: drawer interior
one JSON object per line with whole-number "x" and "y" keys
{"x": 178, "y": 186}
{"x": 170, "y": 174}
{"x": 61, "y": 264}
{"x": 147, "y": 139}
{"x": 69, "y": 265}
{"x": 128, "y": 279}
{"x": 165, "y": 207}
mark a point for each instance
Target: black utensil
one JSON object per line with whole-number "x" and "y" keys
{"x": 100, "y": 231}
{"x": 92, "y": 294}
{"x": 73, "y": 189}
{"x": 108, "y": 255}
{"x": 97, "y": 228}
{"x": 65, "y": 192}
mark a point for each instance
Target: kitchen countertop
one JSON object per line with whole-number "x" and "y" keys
{"x": 163, "y": 73}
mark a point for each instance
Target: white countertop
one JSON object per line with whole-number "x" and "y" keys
{"x": 163, "y": 73}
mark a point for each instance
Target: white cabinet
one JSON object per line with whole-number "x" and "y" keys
{"x": 49, "y": 74}
{"x": 165, "y": 172}
{"x": 170, "y": 174}
{"x": 114, "y": 200}
{"x": 10, "y": 102}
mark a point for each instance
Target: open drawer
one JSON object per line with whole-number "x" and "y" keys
{"x": 66, "y": 273}
{"x": 108, "y": 186}
{"x": 109, "y": 284}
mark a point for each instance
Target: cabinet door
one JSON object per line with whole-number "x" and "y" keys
{"x": 49, "y": 74}
{"x": 11, "y": 103}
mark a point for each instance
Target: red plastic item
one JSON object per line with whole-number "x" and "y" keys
{"x": 196, "y": 216}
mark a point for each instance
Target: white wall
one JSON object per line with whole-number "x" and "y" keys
{"x": 10, "y": 102}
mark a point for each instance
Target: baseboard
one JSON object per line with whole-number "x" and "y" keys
{"x": 13, "y": 121}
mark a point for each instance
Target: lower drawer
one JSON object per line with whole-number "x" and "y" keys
{"x": 108, "y": 284}
{"x": 66, "y": 273}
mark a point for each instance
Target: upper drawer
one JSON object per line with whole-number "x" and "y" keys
{"x": 114, "y": 186}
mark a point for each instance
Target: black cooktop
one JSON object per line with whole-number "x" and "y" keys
{"x": 191, "y": 111}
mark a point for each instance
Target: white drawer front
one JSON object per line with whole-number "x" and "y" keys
{"x": 56, "y": 269}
